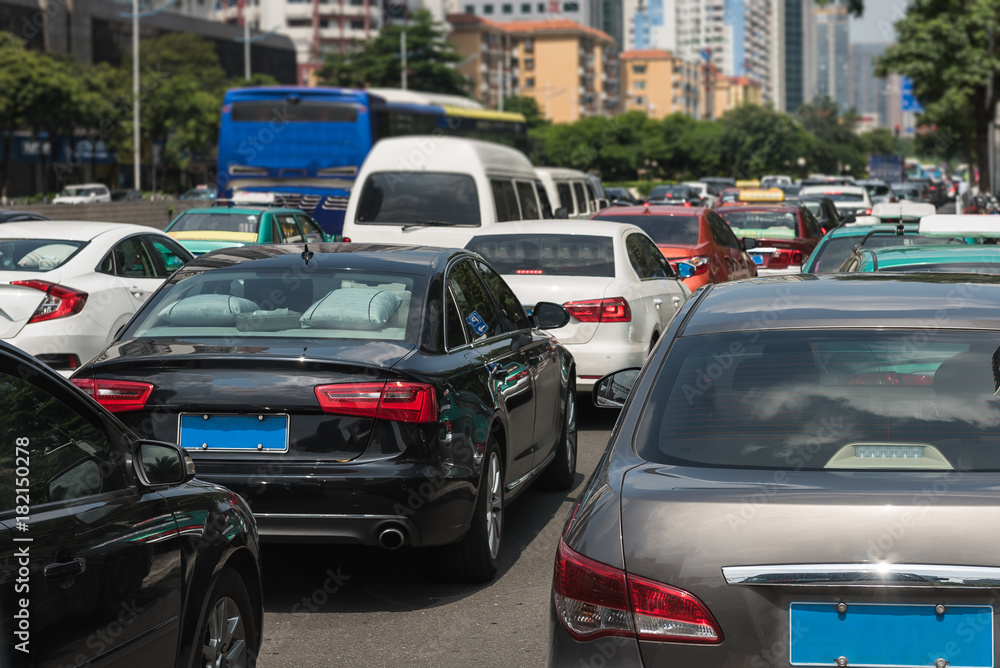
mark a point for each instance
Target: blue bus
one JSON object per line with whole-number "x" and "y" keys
{"x": 305, "y": 146}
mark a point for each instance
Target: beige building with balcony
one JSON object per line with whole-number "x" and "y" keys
{"x": 660, "y": 84}
{"x": 571, "y": 70}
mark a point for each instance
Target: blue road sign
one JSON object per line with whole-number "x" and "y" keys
{"x": 909, "y": 101}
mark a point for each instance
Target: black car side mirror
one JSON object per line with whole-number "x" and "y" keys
{"x": 549, "y": 315}
{"x": 562, "y": 213}
{"x": 612, "y": 391}
{"x": 748, "y": 243}
{"x": 848, "y": 218}
{"x": 162, "y": 464}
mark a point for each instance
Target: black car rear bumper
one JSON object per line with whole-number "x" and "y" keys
{"x": 428, "y": 504}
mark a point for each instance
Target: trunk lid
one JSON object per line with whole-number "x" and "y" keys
{"x": 562, "y": 289}
{"x": 17, "y": 304}
{"x": 683, "y": 526}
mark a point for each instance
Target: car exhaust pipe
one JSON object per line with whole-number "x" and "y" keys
{"x": 391, "y": 538}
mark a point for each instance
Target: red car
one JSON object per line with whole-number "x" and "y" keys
{"x": 783, "y": 235}
{"x": 694, "y": 235}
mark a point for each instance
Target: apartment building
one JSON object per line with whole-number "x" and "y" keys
{"x": 828, "y": 70}
{"x": 570, "y": 69}
{"x": 660, "y": 84}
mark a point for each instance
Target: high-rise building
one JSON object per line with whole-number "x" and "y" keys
{"x": 868, "y": 94}
{"x": 831, "y": 55}
{"x": 794, "y": 54}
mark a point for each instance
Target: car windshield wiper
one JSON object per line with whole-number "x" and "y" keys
{"x": 427, "y": 223}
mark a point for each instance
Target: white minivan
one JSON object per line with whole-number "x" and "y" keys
{"x": 572, "y": 190}
{"x": 440, "y": 191}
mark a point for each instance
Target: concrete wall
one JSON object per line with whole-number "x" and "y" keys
{"x": 152, "y": 214}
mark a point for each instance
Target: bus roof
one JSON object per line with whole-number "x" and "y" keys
{"x": 420, "y": 97}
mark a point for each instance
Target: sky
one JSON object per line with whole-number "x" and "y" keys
{"x": 876, "y": 24}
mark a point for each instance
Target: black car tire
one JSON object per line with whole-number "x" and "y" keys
{"x": 476, "y": 558}
{"x": 229, "y": 597}
{"x": 560, "y": 474}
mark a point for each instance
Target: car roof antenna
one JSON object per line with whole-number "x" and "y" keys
{"x": 307, "y": 254}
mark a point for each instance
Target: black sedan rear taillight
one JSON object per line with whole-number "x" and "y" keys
{"x": 394, "y": 400}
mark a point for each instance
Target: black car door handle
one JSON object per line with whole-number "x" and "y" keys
{"x": 65, "y": 569}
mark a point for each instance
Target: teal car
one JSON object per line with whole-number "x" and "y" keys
{"x": 837, "y": 246}
{"x": 940, "y": 258}
{"x": 208, "y": 229}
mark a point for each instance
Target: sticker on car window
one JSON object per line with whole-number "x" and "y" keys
{"x": 477, "y": 323}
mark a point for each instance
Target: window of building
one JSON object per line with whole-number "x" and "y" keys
{"x": 639, "y": 85}
{"x": 470, "y": 9}
{"x": 357, "y": 24}
{"x": 507, "y": 9}
{"x": 529, "y": 46}
{"x": 529, "y": 64}
{"x": 525, "y": 7}
{"x": 640, "y": 100}
{"x": 299, "y": 23}
{"x": 541, "y": 7}
{"x": 638, "y": 69}
{"x": 529, "y": 82}
{"x": 571, "y": 7}
{"x": 487, "y": 9}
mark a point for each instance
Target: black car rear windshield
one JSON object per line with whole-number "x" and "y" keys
{"x": 664, "y": 230}
{"x": 670, "y": 192}
{"x": 845, "y": 197}
{"x": 36, "y": 254}
{"x": 241, "y": 304}
{"x": 419, "y": 198}
{"x": 763, "y": 224}
{"x": 826, "y": 259}
{"x": 217, "y": 222}
{"x": 912, "y": 400}
{"x": 548, "y": 254}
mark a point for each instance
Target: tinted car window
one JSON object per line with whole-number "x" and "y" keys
{"x": 664, "y": 230}
{"x": 543, "y": 197}
{"x": 290, "y": 231}
{"x": 663, "y": 268}
{"x": 643, "y": 262}
{"x": 475, "y": 306}
{"x": 565, "y": 197}
{"x": 549, "y": 254}
{"x": 454, "y": 325}
{"x": 67, "y": 454}
{"x": 312, "y": 231}
{"x": 529, "y": 205}
{"x": 670, "y": 192}
{"x": 133, "y": 260}
{"x": 505, "y": 199}
{"x": 172, "y": 254}
{"x": 393, "y": 198}
{"x": 217, "y": 222}
{"x": 36, "y": 254}
{"x": 826, "y": 400}
{"x": 581, "y": 198}
{"x": 720, "y": 231}
{"x": 239, "y": 304}
{"x": 510, "y": 308}
{"x": 811, "y": 224}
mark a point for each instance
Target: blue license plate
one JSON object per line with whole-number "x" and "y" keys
{"x": 261, "y": 433}
{"x": 758, "y": 259}
{"x": 888, "y": 635}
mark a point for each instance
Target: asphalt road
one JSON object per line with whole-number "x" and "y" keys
{"x": 335, "y": 606}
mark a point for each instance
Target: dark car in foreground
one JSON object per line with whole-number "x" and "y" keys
{"x": 110, "y": 553}
{"x": 354, "y": 393}
{"x": 805, "y": 472}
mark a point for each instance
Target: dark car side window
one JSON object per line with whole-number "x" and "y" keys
{"x": 289, "y": 229}
{"x": 309, "y": 226}
{"x": 510, "y": 308}
{"x": 529, "y": 205}
{"x": 581, "y": 199}
{"x": 475, "y": 306}
{"x": 133, "y": 260}
{"x": 815, "y": 231}
{"x": 723, "y": 234}
{"x": 663, "y": 268}
{"x": 505, "y": 200}
{"x": 49, "y": 450}
{"x": 565, "y": 197}
{"x": 643, "y": 264}
{"x": 172, "y": 255}
{"x": 543, "y": 197}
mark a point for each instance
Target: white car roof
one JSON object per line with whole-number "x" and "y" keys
{"x": 847, "y": 190}
{"x": 68, "y": 230}
{"x": 905, "y": 208}
{"x": 593, "y": 228}
{"x": 561, "y": 172}
{"x": 445, "y": 154}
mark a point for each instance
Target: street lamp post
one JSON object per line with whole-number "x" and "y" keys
{"x": 136, "y": 167}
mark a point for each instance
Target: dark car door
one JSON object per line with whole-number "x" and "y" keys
{"x": 534, "y": 349}
{"x": 103, "y": 584}
{"x": 504, "y": 371}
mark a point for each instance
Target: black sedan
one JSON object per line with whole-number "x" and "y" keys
{"x": 377, "y": 395}
{"x": 110, "y": 554}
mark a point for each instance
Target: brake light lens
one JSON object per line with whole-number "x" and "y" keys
{"x": 594, "y": 600}
{"x": 783, "y": 258}
{"x": 59, "y": 301}
{"x": 118, "y": 396}
{"x": 615, "y": 309}
{"x": 394, "y": 400}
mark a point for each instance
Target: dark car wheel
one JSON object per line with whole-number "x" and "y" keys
{"x": 229, "y": 633}
{"x": 561, "y": 473}
{"x": 476, "y": 557}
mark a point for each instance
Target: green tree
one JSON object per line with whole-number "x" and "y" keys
{"x": 951, "y": 50}
{"x": 430, "y": 63}
{"x": 758, "y": 140}
{"x": 837, "y": 145}
{"x": 20, "y": 71}
{"x": 55, "y": 108}
{"x": 528, "y": 107}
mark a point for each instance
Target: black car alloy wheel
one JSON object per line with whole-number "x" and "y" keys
{"x": 229, "y": 635}
{"x": 476, "y": 557}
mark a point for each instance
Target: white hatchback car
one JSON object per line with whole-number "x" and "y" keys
{"x": 66, "y": 288}
{"x": 848, "y": 199}
{"x": 617, "y": 286}
{"x": 85, "y": 193}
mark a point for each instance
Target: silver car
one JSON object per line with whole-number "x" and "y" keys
{"x": 806, "y": 472}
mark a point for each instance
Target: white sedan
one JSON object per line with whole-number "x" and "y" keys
{"x": 617, "y": 286}
{"x": 66, "y": 288}
{"x": 848, "y": 199}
